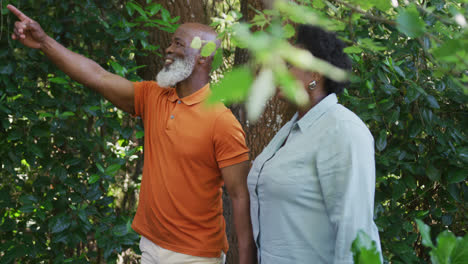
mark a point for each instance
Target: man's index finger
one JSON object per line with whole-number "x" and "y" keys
{"x": 18, "y": 13}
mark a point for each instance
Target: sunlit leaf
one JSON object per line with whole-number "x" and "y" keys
{"x": 217, "y": 60}
{"x": 196, "y": 43}
{"x": 365, "y": 249}
{"x": 289, "y": 31}
{"x": 233, "y": 87}
{"x": 352, "y": 49}
{"x": 305, "y": 60}
{"x": 262, "y": 89}
{"x": 208, "y": 49}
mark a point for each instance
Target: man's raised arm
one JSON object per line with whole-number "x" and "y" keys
{"x": 114, "y": 88}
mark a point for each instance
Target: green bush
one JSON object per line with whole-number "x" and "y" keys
{"x": 62, "y": 145}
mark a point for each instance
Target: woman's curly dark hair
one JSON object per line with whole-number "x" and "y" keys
{"x": 326, "y": 46}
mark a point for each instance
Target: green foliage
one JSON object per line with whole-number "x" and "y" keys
{"x": 64, "y": 147}
{"x": 449, "y": 249}
{"x": 365, "y": 250}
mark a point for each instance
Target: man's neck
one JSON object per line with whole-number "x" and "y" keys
{"x": 190, "y": 86}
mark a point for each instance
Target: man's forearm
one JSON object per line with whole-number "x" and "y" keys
{"x": 78, "y": 67}
{"x": 114, "y": 88}
{"x": 242, "y": 223}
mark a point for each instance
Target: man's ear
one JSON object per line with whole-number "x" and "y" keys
{"x": 202, "y": 60}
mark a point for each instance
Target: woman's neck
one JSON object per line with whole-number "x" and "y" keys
{"x": 313, "y": 101}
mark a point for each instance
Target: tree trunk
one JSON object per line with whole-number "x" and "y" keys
{"x": 258, "y": 135}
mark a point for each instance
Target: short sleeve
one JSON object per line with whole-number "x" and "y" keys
{"x": 229, "y": 141}
{"x": 142, "y": 94}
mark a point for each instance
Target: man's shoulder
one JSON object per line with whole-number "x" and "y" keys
{"x": 149, "y": 87}
{"x": 147, "y": 84}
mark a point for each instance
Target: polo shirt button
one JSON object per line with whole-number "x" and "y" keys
{"x": 172, "y": 116}
{"x": 179, "y": 101}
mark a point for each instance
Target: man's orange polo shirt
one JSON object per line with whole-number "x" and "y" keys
{"x": 186, "y": 144}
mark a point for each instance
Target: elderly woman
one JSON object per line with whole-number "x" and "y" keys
{"x": 312, "y": 188}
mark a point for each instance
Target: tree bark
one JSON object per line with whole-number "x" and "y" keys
{"x": 258, "y": 135}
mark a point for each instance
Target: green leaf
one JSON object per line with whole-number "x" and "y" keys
{"x": 217, "y": 60}
{"x": 455, "y": 176}
{"x": 93, "y": 178}
{"x": 432, "y": 101}
{"x": 383, "y": 5}
{"x": 6, "y": 69}
{"x": 292, "y": 88}
{"x": 134, "y": 6}
{"x": 64, "y": 115}
{"x": 381, "y": 143}
{"x": 463, "y": 153}
{"x": 112, "y": 169}
{"x": 446, "y": 242}
{"x": 100, "y": 168}
{"x": 410, "y": 23}
{"x": 59, "y": 223}
{"x": 399, "y": 71}
{"x": 208, "y": 49}
{"x": 262, "y": 89}
{"x": 154, "y": 8}
{"x": 27, "y": 208}
{"x": 425, "y": 231}
{"x": 120, "y": 70}
{"x": 58, "y": 80}
{"x": 289, "y": 31}
{"x": 319, "y": 4}
{"x": 371, "y": 45}
{"x": 139, "y": 134}
{"x": 364, "y": 249}
{"x": 233, "y": 87}
{"x": 352, "y": 49}
{"x": 460, "y": 252}
{"x": 196, "y": 43}
{"x": 433, "y": 173}
{"x": 120, "y": 230}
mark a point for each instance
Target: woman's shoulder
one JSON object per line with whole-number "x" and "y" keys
{"x": 346, "y": 121}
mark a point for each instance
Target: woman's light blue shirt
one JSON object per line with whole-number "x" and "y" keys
{"x": 310, "y": 197}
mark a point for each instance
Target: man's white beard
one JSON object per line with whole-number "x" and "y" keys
{"x": 176, "y": 72}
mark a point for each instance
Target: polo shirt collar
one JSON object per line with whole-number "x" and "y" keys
{"x": 317, "y": 111}
{"x": 194, "y": 98}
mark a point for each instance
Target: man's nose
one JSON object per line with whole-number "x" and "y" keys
{"x": 170, "y": 49}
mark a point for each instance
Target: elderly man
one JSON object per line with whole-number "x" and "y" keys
{"x": 190, "y": 150}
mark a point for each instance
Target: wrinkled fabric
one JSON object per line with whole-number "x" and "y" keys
{"x": 310, "y": 196}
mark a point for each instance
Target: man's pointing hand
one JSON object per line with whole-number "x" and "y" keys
{"x": 27, "y": 31}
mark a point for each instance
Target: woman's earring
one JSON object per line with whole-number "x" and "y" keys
{"x": 312, "y": 85}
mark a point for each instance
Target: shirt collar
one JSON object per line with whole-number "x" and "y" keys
{"x": 316, "y": 112}
{"x": 192, "y": 99}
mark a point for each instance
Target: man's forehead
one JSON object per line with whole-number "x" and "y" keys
{"x": 184, "y": 33}
{"x": 191, "y": 30}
